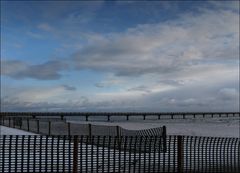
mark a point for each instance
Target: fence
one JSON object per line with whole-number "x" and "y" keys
{"x": 94, "y": 154}
{"x": 47, "y": 126}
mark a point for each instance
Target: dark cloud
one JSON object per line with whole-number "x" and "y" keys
{"x": 141, "y": 88}
{"x": 99, "y": 85}
{"x": 20, "y": 70}
{"x": 70, "y": 88}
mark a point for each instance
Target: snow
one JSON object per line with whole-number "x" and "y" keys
{"x": 101, "y": 158}
{"x": 12, "y": 131}
{"x": 219, "y": 127}
{"x": 214, "y": 127}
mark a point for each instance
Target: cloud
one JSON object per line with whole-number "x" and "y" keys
{"x": 208, "y": 88}
{"x": 230, "y": 5}
{"x": 45, "y": 27}
{"x": 165, "y": 47}
{"x": 19, "y": 70}
{"x": 37, "y": 94}
{"x": 195, "y": 96}
{"x": 162, "y": 48}
{"x": 44, "y": 98}
{"x": 70, "y": 88}
{"x": 140, "y": 88}
{"x": 110, "y": 81}
{"x": 190, "y": 63}
{"x": 35, "y": 35}
{"x": 229, "y": 94}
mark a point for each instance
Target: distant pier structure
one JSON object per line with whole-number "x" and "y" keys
{"x": 128, "y": 115}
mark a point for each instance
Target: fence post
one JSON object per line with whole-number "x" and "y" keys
{"x": 180, "y": 154}
{"x": 69, "y": 132}
{"x": 14, "y": 122}
{"x": 118, "y": 131}
{"x": 164, "y": 136}
{"x": 49, "y": 127}
{"x": 21, "y": 123}
{"x": 89, "y": 130}
{"x": 28, "y": 124}
{"x": 118, "y": 136}
{"x": 2, "y": 120}
{"x": 75, "y": 154}
{"x": 37, "y": 126}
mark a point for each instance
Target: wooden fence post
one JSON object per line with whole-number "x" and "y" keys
{"x": 164, "y": 136}
{"x": 28, "y": 124}
{"x": 118, "y": 131}
{"x": 75, "y": 154}
{"x": 14, "y": 122}
{"x": 21, "y": 123}
{"x": 69, "y": 129}
{"x": 89, "y": 130}
{"x": 180, "y": 152}
{"x": 49, "y": 127}
{"x": 2, "y": 120}
{"x": 37, "y": 126}
{"x": 118, "y": 135}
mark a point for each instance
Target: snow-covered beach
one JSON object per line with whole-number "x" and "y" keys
{"x": 12, "y": 131}
{"x": 215, "y": 127}
{"x": 202, "y": 148}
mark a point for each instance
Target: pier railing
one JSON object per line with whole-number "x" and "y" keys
{"x": 126, "y": 115}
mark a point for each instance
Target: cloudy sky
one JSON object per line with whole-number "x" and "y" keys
{"x": 119, "y": 56}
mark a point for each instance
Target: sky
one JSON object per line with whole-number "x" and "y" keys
{"x": 152, "y": 56}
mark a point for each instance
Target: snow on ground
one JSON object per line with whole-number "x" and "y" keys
{"x": 218, "y": 127}
{"x": 12, "y": 131}
{"x": 215, "y": 127}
